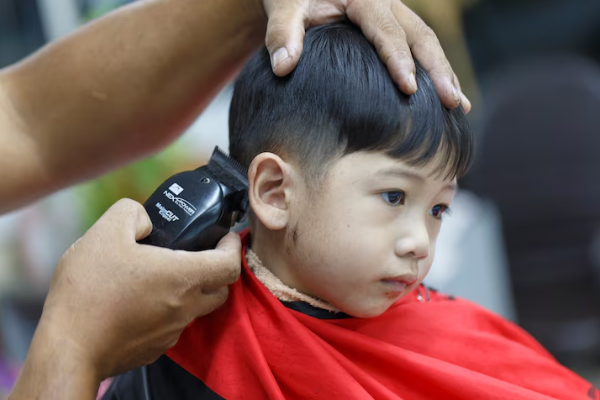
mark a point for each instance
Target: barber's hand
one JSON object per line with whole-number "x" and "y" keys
{"x": 397, "y": 33}
{"x": 119, "y": 304}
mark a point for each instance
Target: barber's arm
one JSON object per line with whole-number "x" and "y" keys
{"x": 120, "y": 88}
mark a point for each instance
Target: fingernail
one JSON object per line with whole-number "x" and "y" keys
{"x": 279, "y": 56}
{"x": 466, "y": 104}
{"x": 412, "y": 81}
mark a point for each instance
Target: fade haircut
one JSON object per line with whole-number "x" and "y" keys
{"x": 341, "y": 99}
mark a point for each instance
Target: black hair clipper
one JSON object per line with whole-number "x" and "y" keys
{"x": 193, "y": 210}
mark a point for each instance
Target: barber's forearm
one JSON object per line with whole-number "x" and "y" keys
{"x": 121, "y": 88}
{"x": 55, "y": 371}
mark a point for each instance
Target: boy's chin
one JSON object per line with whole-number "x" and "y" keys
{"x": 366, "y": 312}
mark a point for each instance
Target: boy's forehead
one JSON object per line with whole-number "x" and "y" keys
{"x": 379, "y": 165}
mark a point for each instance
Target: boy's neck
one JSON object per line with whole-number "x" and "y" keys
{"x": 270, "y": 247}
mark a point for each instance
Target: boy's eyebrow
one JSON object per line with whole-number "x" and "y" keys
{"x": 395, "y": 172}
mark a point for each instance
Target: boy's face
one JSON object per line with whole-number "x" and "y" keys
{"x": 365, "y": 237}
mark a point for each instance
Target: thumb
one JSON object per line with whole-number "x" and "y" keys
{"x": 285, "y": 37}
{"x": 126, "y": 217}
{"x": 230, "y": 243}
{"x": 212, "y": 269}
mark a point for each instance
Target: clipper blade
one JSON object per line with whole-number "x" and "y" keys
{"x": 229, "y": 170}
{"x": 233, "y": 177}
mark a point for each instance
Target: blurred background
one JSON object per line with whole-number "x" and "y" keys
{"x": 524, "y": 237}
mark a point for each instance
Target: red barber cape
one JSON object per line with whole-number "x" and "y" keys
{"x": 254, "y": 347}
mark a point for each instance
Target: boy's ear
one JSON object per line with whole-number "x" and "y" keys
{"x": 269, "y": 179}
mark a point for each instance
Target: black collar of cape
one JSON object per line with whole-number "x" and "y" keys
{"x": 313, "y": 311}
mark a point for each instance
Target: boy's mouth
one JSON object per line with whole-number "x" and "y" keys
{"x": 407, "y": 279}
{"x": 396, "y": 286}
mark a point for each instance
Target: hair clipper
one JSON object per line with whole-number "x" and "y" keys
{"x": 193, "y": 210}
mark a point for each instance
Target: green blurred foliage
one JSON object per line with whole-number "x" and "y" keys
{"x": 136, "y": 181}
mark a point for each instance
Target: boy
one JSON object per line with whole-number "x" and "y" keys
{"x": 349, "y": 181}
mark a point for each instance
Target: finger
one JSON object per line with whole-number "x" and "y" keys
{"x": 285, "y": 37}
{"x": 125, "y": 218}
{"x": 427, "y": 50}
{"x": 209, "y": 302}
{"x": 212, "y": 269}
{"x": 381, "y": 28}
{"x": 230, "y": 243}
{"x": 143, "y": 223}
{"x": 464, "y": 101}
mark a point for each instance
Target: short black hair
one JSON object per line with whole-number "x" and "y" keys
{"x": 341, "y": 99}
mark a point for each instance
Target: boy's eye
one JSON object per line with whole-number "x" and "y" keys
{"x": 439, "y": 210}
{"x": 394, "y": 198}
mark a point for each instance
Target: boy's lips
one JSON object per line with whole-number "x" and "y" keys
{"x": 397, "y": 285}
{"x": 407, "y": 279}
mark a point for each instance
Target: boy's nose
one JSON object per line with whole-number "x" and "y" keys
{"x": 414, "y": 243}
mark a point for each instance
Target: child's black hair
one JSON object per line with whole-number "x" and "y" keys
{"x": 341, "y": 99}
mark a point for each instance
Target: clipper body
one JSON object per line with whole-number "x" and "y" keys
{"x": 193, "y": 210}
